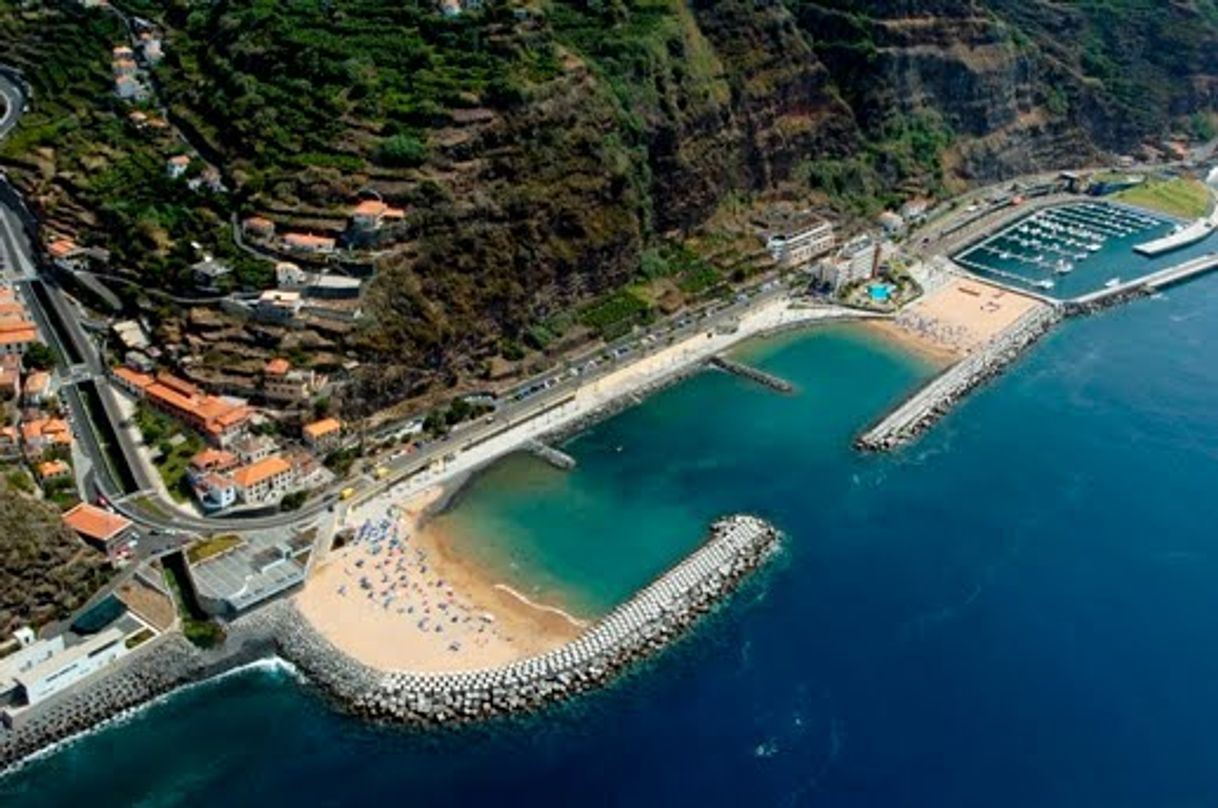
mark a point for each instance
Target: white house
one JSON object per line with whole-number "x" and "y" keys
{"x": 264, "y": 481}
{"x": 66, "y": 667}
{"x": 176, "y": 166}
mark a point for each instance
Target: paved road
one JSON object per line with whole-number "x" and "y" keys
{"x": 162, "y": 516}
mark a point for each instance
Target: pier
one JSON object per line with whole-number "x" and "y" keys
{"x": 555, "y": 457}
{"x": 644, "y": 625}
{"x": 1191, "y": 234}
{"x": 752, "y": 374}
{"x": 932, "y": 402}
{"x": 1148, "y": 284}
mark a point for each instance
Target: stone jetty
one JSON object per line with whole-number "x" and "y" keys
{"x": 642, "y": 626}
{"x": 932, "y": 402}
{"x": 555, "y": 457}
{"x": 752, "y": 374}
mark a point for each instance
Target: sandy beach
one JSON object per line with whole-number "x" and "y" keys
{"x": 959, "y": 317}
{"x": 397, "y": 598}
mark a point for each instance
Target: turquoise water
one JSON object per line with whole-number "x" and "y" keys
{"x": 1021, "y": 609}
{"x": 1115, "y": 260}
{"x": 591, "y": 537}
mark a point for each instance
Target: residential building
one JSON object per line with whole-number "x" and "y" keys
{"x": 370, "y": 214}
{"x": 139, "y": 361}
{"x": 37, "y": 388}
{"x": 123, "y": 67}
{"x": 41, "y": 434}
{"x": 31, "y": 652}
{"x": 308, "y": 244}
{"x": 322, "y": 435}
{"x": 258, "y": 226}
{"x": 215, "y": 492}
{"x": 334, "y": 287}
{"x": 277, "y": 305}
{"x": 252, "y": 448}
{"x": 122, "y": 52}
{"x": 855, "y": 261}
{"x": 291, "y": 387}
{"x": 799, "y": 247}
{"x": 51, "y": 470}
{"x": 176, "y": 166}
{"x": 263, "y": 481}
{"x": 277, "y": 367}
{"x": 151, "y": 48}
{"x": 289, "y": 275}
{"x": 109, "y": 532}
{"x": 132, "y": 381}
{"x": 914, "y": 210}
{"x": 211, "y": 461}
{"x": 131, "y": 335}
{"x": 16, "y": 336}
{"x": 209, "y": 272}
{"x": 62, "y": 250}
{"x": 220, "y": 419}
{"x": 892, "y": 222}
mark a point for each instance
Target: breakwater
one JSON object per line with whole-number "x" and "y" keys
{"x": 932, "y": 402}
{"x": 555, "y": 457}
{"x": 752, "y": 374}
{"x": 644, "y": 625}
{"x": 161, "y": 666}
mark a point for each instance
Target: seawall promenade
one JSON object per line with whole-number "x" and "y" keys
{"x": 642, "y": 626}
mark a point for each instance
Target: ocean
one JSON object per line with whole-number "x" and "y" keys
{"x": 1019, "y": 609}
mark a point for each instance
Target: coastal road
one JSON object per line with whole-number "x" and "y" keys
{"x": 549, "y": 388}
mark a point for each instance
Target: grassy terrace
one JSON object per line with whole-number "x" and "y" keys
{"x": 212, "y": 547}
{"x": 1184, "y": 198}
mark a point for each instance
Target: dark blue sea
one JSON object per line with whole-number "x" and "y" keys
{"x": 1019, "y": 610}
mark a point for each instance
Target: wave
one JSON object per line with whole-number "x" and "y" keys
{"x": 273, "y": 665}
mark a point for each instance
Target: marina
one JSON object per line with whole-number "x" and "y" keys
{"x": 1072, "y": 249}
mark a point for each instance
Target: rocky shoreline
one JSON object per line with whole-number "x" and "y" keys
{"x": 656, "y": 616}
{"x": 639, "y": 628}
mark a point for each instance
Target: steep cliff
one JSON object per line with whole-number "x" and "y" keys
{"x": 542, "y": 149}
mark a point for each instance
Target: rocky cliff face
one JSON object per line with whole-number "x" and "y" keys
{"x": 542, "y": 150}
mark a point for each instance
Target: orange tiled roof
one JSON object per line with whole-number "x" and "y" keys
{"x": 323, "y": 427}
{"x": 15, "y": 333}
{"x": 278, "y": 367}
{"x": 53, "y": 468}
{"x": 133, "y": 377}
{"x": 264, "y": 469}
{"x": 37, "y": 382}
{"x": 61, "y": 247}
{"x": 95, "y": 523}
{"x": 214, "y": 459}
{"x": 308, "y": 240}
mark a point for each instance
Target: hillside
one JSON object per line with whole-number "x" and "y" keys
{"x": 544, "y": 152}
{"x": 46, "y": 572}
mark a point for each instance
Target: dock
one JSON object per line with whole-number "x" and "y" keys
{"x": 555, "y": 457}
{"x": 1148, "y": 284}
{"x": 752, "y": 374}
{"x": 1189, "y": 235}
{"x": 922, "y": 410}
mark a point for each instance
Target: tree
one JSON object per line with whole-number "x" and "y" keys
{"x": 39, "y": 356}
{"x": 402, "y": 151}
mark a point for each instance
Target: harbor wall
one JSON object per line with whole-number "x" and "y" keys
{"x": 642, "y": 626}
{"x": 922, "y": 410}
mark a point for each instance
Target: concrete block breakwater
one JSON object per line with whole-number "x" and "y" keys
{"x": 932, "y": 402}
{"x": 642, "y": 626}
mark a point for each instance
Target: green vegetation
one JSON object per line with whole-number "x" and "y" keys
{"x": 614, "y": 315}
{"x": 196, "y": 626}
{"x": 175, "y": 443}
{"x": 139, "y": 638}
{"x": 212, "y": 546}
{"x": 39, "y": 357}
{"x": 1182, "y": 197}
{"x": 46, "y": 572}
